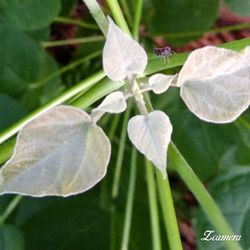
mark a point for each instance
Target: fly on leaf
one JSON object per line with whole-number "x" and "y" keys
{"x": 164, "y": 52}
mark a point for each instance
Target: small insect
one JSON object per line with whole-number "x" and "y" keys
{"x": 164, "y": 52}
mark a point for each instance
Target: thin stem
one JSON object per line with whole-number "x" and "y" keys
{"x": 168, "y": 211}
{"x": 153, "y": 206}
{"x": 79, "y": 23}
{"x": 212, "y": 31}
{"x": 67, "y": 95}
{"x": 130, "y": 201}
{"x": 105, "y": 193}
{"x": 113, "y": 128}
{"x": 126, "y": 11}
{"x": 64, "y": 69}
{"x": 118, "y": 15}
{"x": 243, "y": 122}
{"x": 10, "y": 208}
{"x": 203, "y": 197}
{"x": 138, "y": 12}
{"x": 135, "y": 89}
{"x": 167, "y": 205}
{"x": 97, "y": 14}
{"x": 90, "y": 39}
{"x": 106, "y": 88}
{"x": 6, "y": 150}
{"x": 120, "y": 156}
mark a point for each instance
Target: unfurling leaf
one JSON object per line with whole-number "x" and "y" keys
{"x": 122, "y": 56}
{"x": 151, "y": 135}
{"x": 160, "y": 83}
{"x": 215, "y": 84}
{"x": 113, "y": 103}
{"x": 59, "y": 153}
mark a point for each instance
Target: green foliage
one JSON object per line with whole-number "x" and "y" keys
{"x": 23, "y": 63}
{"x": 73, "y": 223}
{"x": 31, "y": 78}
{"x": 183, "y": 16}
{"x": 29, "y": 14}
{"x": 239, "y": 7}
{"x": 11, "y": 238}
{"x": 10, "y": 111}
{"x": 231, "y": 192}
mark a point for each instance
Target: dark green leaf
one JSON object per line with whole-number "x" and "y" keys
{"x": 10, "y": 111}
{"x": 46, "y": 89}
{"x": 11, "y": 238}
{"x": 240, "y": 7}
{"x": 29, "y": 14}
{"x": 61, "y": 224}
{"x": 171, "y": 16}
{"x": 23, "y": 63}
{"x": 231, "y": 192}
{"x": 19, "y": 62}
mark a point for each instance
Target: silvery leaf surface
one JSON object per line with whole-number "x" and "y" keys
{"x": 151, "y": 135}
{"x": 208, "y": 62}
{"x": 122, "y": 56}
{"x": 215, "y": 84}
{"x": 113, "y": 103}
{"x": 60, "y": 153}
{"x": 160, "y": 83}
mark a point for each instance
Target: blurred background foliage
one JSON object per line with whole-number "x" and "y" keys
{"x": 33, "y": 71}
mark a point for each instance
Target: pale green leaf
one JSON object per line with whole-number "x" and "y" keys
{"x": 215, "y": 84}
{"x": 62, "y": 153}
{"x": 151, "y": 135}
{"x": 122, "y": 56}
{"x": 113, "y": 103}
{"x": 160, "y": 83}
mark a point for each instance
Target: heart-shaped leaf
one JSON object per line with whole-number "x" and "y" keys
{"x": 160, "y": 83}
{"x": 59, "y": 153}
{"x": 122, "y": 56}
{"x": 151, "y": 135}
{"x": 215, "y": 84}
{"x": 113, "y": 103}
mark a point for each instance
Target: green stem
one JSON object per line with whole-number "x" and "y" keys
{"x": 64, "y": 69}
{"x": 168, "y": 211}
{"x": 167, "y": 204}
{"x": 107, "y": 87}
{"x": 90, "y": 39}
{"x": 79, "y": 88}
{"x": 105, "y": 193}
{"x": 10, "y": 208}
{"x": 243, "y": 122}
{"x": 125, "y": 8}
{"x": 212, "y": 31}
{"x": 79, "y": 23}
{"x": 130, "y": 201}
{"x": 153, "y": 207}
{"x": 118, "y": 15}
{"x": 6, "y": 150}
{"x": 203, "y": 197}
{"x": 120, "y": 156}
{"x": 97, "y": 14}
{"x": 138, "y": 12}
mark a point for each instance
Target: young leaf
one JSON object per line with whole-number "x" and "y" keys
{"x": 122, "y": 56}
{"x": 151, "y": 135}
{"x": 113, "y": 103}
{"x": 60, "y": 153}
{"x": 215, "y": 84}
{"x": 160, "y": 82}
